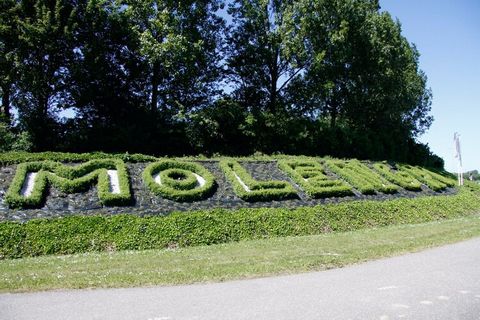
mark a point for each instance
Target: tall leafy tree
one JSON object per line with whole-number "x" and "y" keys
{"x": 180, "y": 40}
{"x": 363, "y": 73}
{"x": 306, "y": 76}
{"x": 44, "y": 49}
{"x": 329, "y": 32}
{"x": 260, "y": 63}
{"x": 9, "y": 10}
{"x": 106, "y": 80}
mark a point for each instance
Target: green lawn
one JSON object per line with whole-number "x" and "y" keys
{"x": 237, "y": 260}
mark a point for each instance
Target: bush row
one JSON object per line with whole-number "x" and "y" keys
{"x": 433, "y": 180}
{"x": 311, "y": 177}
{"x": 69, "y": 180}
{"x": 257, "y": 190}
{"x": 77, "y": 234}
{"x": 7, "y": 158}
{"x": 177, "y": 180}
{"x": 360, "y": 176}
{"x": 398, "y": 177}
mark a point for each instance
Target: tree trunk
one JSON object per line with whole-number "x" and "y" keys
{"x": 43, "y": 105}
{"x": 155, "y": 81}
{"x": 6, "y": 103}
{"x": 333, "y": 115}
{"x": 273, "y": 98}
{"x": 273, "y": 84}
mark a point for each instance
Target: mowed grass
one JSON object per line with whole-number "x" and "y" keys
{"x": 239, "y": 260}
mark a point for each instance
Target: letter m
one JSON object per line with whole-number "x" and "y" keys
{"x": 30, "y": 185}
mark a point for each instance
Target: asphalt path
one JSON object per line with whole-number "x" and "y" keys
{"x": 441, "y": 283}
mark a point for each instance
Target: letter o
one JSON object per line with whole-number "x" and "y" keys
{"x": 179, "y": 181}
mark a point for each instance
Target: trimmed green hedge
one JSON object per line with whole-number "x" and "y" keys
{"x": 398, "y": 177}
{"x": 433, "y": 180}
{"x": 310, "y": 176}
{"x": 69, "y": 180}
{"x": 178, "y": 181}
{"x": 258, "y": 190}
{"x": 19, "y": 157}
{"x": 360, "y": 176}
{"x": 79, "y": 234}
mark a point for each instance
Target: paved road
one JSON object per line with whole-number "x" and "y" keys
{"x": 442, "y": 283}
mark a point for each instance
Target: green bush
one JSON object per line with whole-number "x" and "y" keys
{"x": 19, "y": 157}
{"x": 77, "y": 234}
{"x": 360, "y": 176}
{"x": 310, "y": 176}
{"x": 184, "y": 189}
{"x": 433, "y": 180}
{"x": 257, "y": 190}
{"x": 179, "y": 179}
{"x": 69, "y": 180}
{"x": 399, "y": 177}
{"x": 13, "y": 141}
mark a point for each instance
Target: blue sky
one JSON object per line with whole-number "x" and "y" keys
{"x": 447, "y": 35}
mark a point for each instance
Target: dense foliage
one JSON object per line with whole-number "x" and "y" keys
{"x": 232, "y": 77}
{"x": 14, "y": 157}
{"x": 77, "y": 234}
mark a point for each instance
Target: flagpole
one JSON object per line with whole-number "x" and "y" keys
{"x": 458, "y": 155}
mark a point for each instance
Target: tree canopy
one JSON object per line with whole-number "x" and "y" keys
{"x": 314, "y": 77}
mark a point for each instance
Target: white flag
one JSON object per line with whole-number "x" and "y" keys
{"x": 458, "y": 155}
{"x": 458, "y": 151}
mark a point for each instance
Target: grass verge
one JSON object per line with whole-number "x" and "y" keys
{"x": 238, "y": 260}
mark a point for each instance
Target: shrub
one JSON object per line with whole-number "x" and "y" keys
{"x": 433, "y": 180}
{"x": 19, "y": 157}
{"x": 399, "y": 177}
{"x": 310, "y": 176}
{"x": 256, "y": 190}
{"x": 69, "y": 180}
{"x": 11, "y": 141}
{"x": 77, "y": 234}
{"x": 360, "y": 176}
{"x": 178, "y": 180}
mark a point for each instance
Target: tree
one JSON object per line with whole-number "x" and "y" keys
{"x": 306, "y": 76}
{"x": 8, "y": 43}
{"x": 180, "y": 40}
{"x": 106, "y": 84}
{"x": 363, "y": 72}
{"x": 224, "y": 128}
{"x": 261, "y": 64}
{"x": 259, "y": 57}
{"x": 43, "y": 51}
